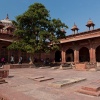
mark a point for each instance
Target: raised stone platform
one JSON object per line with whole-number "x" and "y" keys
{"x": 41, "y": 78}
{"x": 65, "y": 82}
{"x": 4, "y": 73}
{"x": 91, "y": 89}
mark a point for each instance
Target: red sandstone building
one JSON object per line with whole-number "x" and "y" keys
{"x": 78, "y": 47}
{"x": 6, "y": 38}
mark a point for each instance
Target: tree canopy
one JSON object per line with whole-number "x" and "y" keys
{"x": 35, "y": 30}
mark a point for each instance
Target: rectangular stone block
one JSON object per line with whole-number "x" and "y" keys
{"x": 64, "y": 82}
{"x": 91, "y": 89}
{"x": 4, "y": 73}
{"x": 93, "y": 93}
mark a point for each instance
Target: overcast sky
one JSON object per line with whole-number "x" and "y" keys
{"x": 68, "y": 11}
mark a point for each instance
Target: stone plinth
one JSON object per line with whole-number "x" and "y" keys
{"x": 65, "y": 82}
{"x": 91, "y": 89}
{"x": 4, "y": 73}
{"x": 80, "y": 66}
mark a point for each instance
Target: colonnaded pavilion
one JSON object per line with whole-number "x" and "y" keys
{"x": 77, "y": 47}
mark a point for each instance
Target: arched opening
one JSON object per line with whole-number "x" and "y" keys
{"x": 69, "y": 55}
{"x": 84, "y": 55}
{"x": 98, "y": 54}
{"x": 58, "y": 56}
{"x": 4, "y": 53}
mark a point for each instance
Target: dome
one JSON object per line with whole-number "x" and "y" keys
{"x": 90, "y": 23}
{"x": 74, "y": 27}
{"x": 6, "y": 21}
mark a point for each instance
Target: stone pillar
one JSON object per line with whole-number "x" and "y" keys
{"x": 76, "y": 56}
{"x": 91, "y": 54}
{"x": 63, "y": 56}
{"x": 94, "y": 54}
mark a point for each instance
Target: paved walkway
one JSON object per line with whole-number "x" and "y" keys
{"x": 20, "y": 82}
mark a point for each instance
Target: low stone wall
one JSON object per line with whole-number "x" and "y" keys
{"x": 20, "y": 66}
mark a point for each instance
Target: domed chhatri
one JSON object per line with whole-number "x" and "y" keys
{"x": 6, "y": 21}
{"x": 90, "y": 24}
{"x": 6, "y": 25}
{"x": 75, "y": 28}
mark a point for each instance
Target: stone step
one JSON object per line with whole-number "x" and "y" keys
{"x": 43, "y": 79}
{"x": 92, "y": 93}
{"x": 92, "y": 87}
{"x": 2, "y": 81}
{"x": 37, "y": 77}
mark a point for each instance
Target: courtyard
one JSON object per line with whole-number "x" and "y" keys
{"x": 21, "y": 84}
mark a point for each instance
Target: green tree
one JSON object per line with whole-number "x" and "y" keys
{"x": 36, "y": 31}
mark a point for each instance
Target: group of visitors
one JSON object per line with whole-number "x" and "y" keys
{"x": 12, "y": 60}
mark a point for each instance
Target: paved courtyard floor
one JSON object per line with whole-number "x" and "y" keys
{"x": 20, "y": 80}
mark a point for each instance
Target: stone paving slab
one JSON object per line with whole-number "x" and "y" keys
{"x": 64, "y": 82}
{"x": 10, "y": 94}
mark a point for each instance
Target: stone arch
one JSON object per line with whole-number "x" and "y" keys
{"x": 57, "y": 56}
{"x": 98, "y": 54}
{"x": 84, "y": 55}
{"x": 69, "y": 55}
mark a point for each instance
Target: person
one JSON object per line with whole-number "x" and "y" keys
{"x": 12, "y": 59}
{"x": 20, "y": 60}
{"x": 2, "y": 61}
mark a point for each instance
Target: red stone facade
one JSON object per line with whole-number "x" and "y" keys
{"x": 78, "y": 47}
